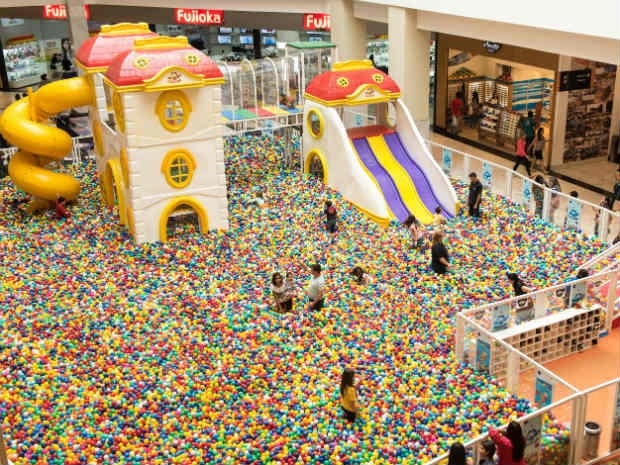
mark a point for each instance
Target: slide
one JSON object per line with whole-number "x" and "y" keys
{"x": 393, "y": 174}
{"x": 421, "y": 182}
{"x": 25, "y": 125}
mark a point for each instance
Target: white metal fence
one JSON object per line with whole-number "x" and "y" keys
{"x": 559, "y": 208}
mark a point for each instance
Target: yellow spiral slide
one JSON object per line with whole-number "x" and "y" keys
{"x": 25, "y": 124}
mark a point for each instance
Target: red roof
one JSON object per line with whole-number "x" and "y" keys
{"x": 346, "y": 79}
{"x": 99, "y": 51}
{"x": 150, "y": 56}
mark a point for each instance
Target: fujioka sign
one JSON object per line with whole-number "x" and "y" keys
{"x": 314, "y": 21}
{"x": 198, "y": 16}
{"x": 59, "y": 11}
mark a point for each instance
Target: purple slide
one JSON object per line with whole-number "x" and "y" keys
{"x": 420, "y": 181}
{"x": 386, "y": 183}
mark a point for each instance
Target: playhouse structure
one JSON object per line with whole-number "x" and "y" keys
{"x": 154, "y": 103}
{"x": 360, "y": 138}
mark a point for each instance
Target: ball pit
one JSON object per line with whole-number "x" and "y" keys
{"x": 169, "y": 353}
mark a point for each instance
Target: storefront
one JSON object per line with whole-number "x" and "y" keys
{"x": 507, "y": 82}
{"x": 32, "y": 50}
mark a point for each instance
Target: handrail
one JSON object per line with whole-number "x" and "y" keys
{"x": 615, "y": 248}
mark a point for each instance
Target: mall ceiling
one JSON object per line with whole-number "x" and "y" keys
{"x": 105, "y": 14}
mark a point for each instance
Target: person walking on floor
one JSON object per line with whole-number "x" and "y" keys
{"x": 521, "y": 155}
{"x": 475, "y": 195}
{"x": 616, "y": 192}
{"x": 527, "y": 125}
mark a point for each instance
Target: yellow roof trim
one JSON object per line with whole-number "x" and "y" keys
{"x": 350, "y": 102}
{"x": 352, "y": 65}
{"x": 365, "y": 87}
{"x": 161, "y": 43}
{"x": 144, "y": 88}
{"x": 124, "y": 29}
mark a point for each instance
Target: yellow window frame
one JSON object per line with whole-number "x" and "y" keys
{"x": 309, "y": 120}
{"x": 177, "y": 158}
{"x": 167, "y": 98}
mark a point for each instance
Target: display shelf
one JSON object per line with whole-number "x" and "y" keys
{"x": 24, "y": 64}
{"x": 548, "y": 338}
{"x": 488, "y": 121}
{"x": 508, "y": 127}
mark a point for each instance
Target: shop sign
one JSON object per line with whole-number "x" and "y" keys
{"x": 575, "y": 80}
{"x": 59, "y": 11}
{"x": 198, "y": 16}
{"x": 491, "y": 47}
{"x": 314, "y": 21}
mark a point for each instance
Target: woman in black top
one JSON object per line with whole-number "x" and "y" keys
{"x": 439, "y": 254}
{"x": 517, "y": 284}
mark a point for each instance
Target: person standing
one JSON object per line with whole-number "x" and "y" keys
{"x": 539, "y": 195}
{"x": 415, "y": 230}
{"x": 527, "y": 125}
{"x": 616, "y": 192}
{"x": 537, "y": 147}
{"x": 316, "y": 289}
{"x": 331, "y": 217}
{"x": 282, "y": 294}
{"x": 510, "y": 444}
{"x": 348, "y": 395}
{"x": 475, "y": 195}
{"x": 521, "y": 155}
{"x": 456, "y": 106}
{"x": 518, "y": 286}
{"x": 439, "y": 254}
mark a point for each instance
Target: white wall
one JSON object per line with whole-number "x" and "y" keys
{"x": 600, "y": 18}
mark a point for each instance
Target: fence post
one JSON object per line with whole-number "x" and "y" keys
{"x": 459, "y": 342}
{"x": 611, "y": 299}
{"x": 546, "y": 213}
{"x": 466, "y": 166}
{"x": 603, "y": 224}
{"x": 576, "y": 428}
{"x": 509, "y": 185}
{"x": 512, "y": 372}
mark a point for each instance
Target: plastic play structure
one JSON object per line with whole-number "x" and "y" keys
{"x": 24, "y": 124}
{"x": 385, "y": 169}
{"x": 157, "y": 115}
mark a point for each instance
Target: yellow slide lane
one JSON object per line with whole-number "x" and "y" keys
{"x": 401, "y": 178}
{"x": 25, "y": 124}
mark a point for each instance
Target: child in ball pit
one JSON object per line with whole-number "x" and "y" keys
{"x": 61, "y": 208}
{"x": 486, "y": 453}
{"x": 457, "y": 454}
{"x": 510, "y": 444}
{"x": 348, "y": 395}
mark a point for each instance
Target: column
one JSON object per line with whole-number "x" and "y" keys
{"x": 78, "y": 25}
{"x": 560, "y": 107}
{"x": 614, "y": 129}
{"x": 347, "y": 32}
{"x": 409, "y": 57}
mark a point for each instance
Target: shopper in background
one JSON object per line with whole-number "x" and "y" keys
{"x": 510, "y": 444}
{"x": 616, "y": 192}
{"x": 527, "y": 125}
{"x": 456, "y": 106}
{"x": 474, "y": 109}
{"x": 537, "y": 147}
{"x": 521, "y": 154}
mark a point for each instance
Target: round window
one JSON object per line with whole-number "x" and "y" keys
{"x": 178, "y": 167}
{"x": 173, "y": 109}
{"x": 315, "y": 123}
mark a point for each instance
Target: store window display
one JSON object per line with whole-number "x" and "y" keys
{"x": 24, "y": 62}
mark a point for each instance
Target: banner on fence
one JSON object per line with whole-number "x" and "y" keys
{"x": 527, "y": 193}
{"x": 446, "y": 160}
{"x": 524, "y": 309}
{"x": 500, "y": 317}
{"x": 532, "y": 430}
{"x": 573, "y": 214}
{"x": 487, "y": 174}
{"x": 544, "y": 389}
{"x": 483, "y": 355}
